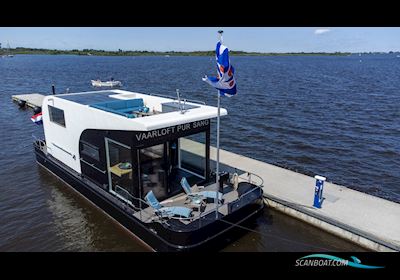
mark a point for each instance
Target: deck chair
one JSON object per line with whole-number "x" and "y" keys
{"x": 207, "y": 194}
{"x": 167, "y": 212}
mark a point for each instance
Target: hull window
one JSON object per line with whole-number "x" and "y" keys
{"x": 56, "y": 115}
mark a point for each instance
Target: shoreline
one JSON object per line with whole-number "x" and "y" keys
{"x": 91, "y": 52}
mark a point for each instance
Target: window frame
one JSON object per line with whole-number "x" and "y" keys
{"x": 51, "y": 108}
{"x": 97, "y": 149}
{"x": 192, "y": 171}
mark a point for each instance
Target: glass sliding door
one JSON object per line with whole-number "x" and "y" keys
{"x": 162, "y": 166}
{"x": 119, "y": 168}
{"x": 153, "y": 169}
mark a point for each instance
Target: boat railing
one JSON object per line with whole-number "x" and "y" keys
{"x": 259, "y": 182}
{"x": 40, "y": 144}
{"x": 132, "y": 198}
{"x": 252, "y": 179}
{"x": 176, "y": 98}
{"x": 248, "y": 177}
{"x": 142, "y": 203}
{"x": 93, "y": 166}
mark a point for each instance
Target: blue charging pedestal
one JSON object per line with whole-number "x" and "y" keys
{"x": 319, "y": 187}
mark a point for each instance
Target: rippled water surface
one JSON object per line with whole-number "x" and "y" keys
{"x": 334, "y": 116}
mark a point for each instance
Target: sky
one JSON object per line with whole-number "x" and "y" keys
{"x": 251, "y": 39}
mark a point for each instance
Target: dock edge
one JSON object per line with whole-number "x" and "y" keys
{"x": 334, "y": 227}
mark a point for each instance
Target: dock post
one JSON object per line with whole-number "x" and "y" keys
{"x": 53, "y": 89}
{"x": 319, "y": 187}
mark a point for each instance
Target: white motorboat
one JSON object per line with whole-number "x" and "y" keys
{"x": 112, "y": 83}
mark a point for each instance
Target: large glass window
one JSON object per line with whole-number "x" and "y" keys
{"x": 193, "y": 153}
{"x": 163, "y": 166}
{"x": 56, "y": 115}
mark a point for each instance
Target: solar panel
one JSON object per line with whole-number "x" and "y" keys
{"x": 89, "y": 97}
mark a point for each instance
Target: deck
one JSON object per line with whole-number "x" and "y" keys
{"x": 230, "y": 196}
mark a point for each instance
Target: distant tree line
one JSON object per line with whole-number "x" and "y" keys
{"x": 21, "y": 50}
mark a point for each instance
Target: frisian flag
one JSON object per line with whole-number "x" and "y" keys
{"x": 225, "y": 82}
{"x": 37, "y": 119}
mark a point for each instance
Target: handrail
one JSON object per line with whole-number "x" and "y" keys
{"x": 93, "y": 166}
{"x": 143, "y": 201}
{"x": 258, "y": 185}
{"x": 195, "y": 101}
{"x": 202, "y": 214}
{"x": 249, "y": 174}
{"x": 131, "y": 196}
{"x": 135, "y": 198}
{"x": 62, "y": 149}
{"x": 175, "y": 98}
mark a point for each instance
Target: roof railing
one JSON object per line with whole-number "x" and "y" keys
{"x": 176, "y": 99}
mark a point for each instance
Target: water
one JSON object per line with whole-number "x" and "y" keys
{"x": 334, "y": 116}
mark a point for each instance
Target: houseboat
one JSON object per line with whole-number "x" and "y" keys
{"x": 144, "y": 159}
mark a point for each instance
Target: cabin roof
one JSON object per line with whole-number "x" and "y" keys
{"x": 88, "y": 98}
{"x": 159, "y": 111}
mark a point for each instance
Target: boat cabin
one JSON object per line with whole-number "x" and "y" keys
{"x": 129, "y": 143}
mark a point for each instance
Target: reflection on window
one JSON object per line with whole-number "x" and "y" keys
{"x": 153, "y": 173}
{"x": 90, "y": 150}
{"x": 193, "y": 153}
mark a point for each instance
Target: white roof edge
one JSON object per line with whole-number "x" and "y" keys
{"x": 176, "y": 118}
{"x": 148, "y": 123}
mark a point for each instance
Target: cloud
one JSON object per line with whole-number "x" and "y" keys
{"x": 321, "y": 31}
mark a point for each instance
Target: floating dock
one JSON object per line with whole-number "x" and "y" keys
{"x": 31, "y": 100}
{"x": 369, "y": 221}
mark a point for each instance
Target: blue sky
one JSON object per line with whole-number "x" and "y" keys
{"x": 263, "y": 39}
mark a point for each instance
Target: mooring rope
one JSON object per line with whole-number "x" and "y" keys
{"x": 277, "y": 237}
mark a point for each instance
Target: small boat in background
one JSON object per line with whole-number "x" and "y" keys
{"x": 111, "y": 83}
{"x": 8, "y": 52}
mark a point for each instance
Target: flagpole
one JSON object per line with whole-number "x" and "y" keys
{"x": 218, "y": 121}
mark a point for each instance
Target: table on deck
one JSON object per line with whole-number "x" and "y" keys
{"x": 119, "y": 172}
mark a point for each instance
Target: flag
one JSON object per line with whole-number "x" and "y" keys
{"x": 225, "y": 82}
{"x": 37, "y": 119}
